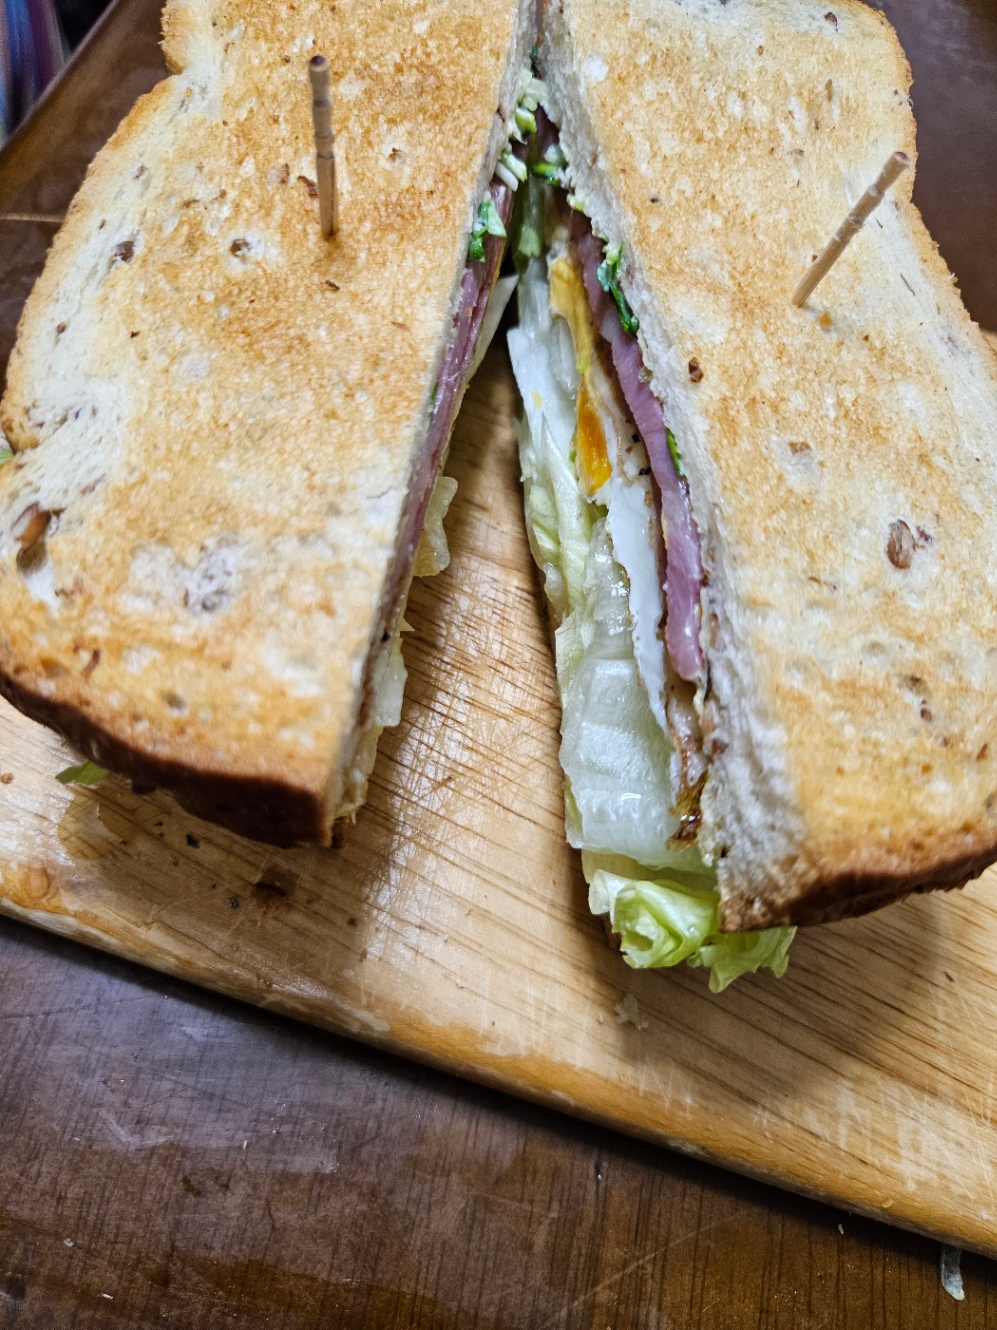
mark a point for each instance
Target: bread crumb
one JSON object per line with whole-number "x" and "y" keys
{"x": 628, "y": 1010}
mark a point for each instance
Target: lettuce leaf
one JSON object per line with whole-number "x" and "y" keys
{"x": 87, "y": 773}
{"x": 489, "y": 223}
{"x": 432, "y": 553}
{"x": 663, "y": 921}
{"x": 497, "y": 301}
{"x": 390, "y": 691}
{"x": 615, "y": 756}
{"x": 728, "y": 955}
{"x": 662, "y": 901}
{"x": 608, "y": 273}
{"x": 659, "y": 923}
{"x": 673, "y": 448}
{"x": 559, "y": 521}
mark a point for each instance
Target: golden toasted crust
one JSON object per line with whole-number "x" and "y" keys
{"x": 853, "y": 702}
{"x": 217, "y": 411}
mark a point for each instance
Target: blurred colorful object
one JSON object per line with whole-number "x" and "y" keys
{"x": 32, "y": 51}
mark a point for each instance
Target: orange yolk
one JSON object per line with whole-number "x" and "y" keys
{"x": 591, "y": 457}
{"x": 568, "y": 299}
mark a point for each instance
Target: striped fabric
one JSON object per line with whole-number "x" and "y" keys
{"x": 31, "y": 53}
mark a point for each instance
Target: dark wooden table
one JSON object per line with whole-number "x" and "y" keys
{"x": 169, "y": 1158}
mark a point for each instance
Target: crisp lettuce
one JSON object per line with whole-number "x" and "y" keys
{"x": 552, "y": 168}
{"x": 390, "y": 691}
{"x": 658, "y": 922}
{"x": 432, "y": 554}
{"x": 662, "y": 901}
{"x": 673, "y": 448}
{"x": 670, "y": 919}
{"x": 528, "y": 225}
{"x": 526, "y": 121}
{"x": 614, "y": 754}
{"x": 497, "y": 302}
{"x": 608, "y": 273}
{"x": 489, "y": 223}
{"x": 511, "y": 167}
{"x": 728, "y": 955}
{"x": 559, "y": 521}
{"x": 87, "y": 773}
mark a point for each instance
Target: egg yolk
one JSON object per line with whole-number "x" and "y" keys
{"x": 591, "y": 456}
{"x": 568, "y": 299}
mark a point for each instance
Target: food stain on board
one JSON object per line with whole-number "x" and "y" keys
{"x": 99, "y": 821}
{"x": 81, "y": 831}
{"x": 272, "y": 893}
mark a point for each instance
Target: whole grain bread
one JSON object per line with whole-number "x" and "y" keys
{"x": 842, "y": 458}
{"x": 217, "y": 412}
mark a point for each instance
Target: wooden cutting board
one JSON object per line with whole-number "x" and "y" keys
{"x": 452, "y": 924}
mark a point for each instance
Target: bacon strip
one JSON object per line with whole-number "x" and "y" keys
{"x": 684, "y": 568}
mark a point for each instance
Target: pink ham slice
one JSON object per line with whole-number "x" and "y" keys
{"x": 684, "y": 568}
{"x": 476, "y": 288}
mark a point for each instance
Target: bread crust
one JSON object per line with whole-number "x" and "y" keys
{"x": 218, "y": 413}
{"x": 261, "y": 808}
{"x": 849, "y": 895}
{"x": 852, "y": 705}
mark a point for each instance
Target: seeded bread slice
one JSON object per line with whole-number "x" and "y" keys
{"x": 842, "y": 458}
{"x": 217, "y": 412}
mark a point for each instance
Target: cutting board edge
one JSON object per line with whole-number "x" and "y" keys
{"x": 492, "y": 1071}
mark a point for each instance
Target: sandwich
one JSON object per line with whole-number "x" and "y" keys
{"x": 767, "y": 534}
{"x": 226, "y": 429}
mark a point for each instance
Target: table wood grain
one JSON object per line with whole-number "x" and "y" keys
{"x": 202, "y": 1164}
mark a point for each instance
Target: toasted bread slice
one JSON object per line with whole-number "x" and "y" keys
{"x": 218, "y": 413}
{"x": 841, "y": 458}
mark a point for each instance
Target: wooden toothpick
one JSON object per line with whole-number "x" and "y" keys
{"x": 852, "y": 224}
{"x": 325, "y": 158}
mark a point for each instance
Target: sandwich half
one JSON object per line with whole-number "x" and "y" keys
{"x": 768, "y": 534}
{"x": 226, "y": 428}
